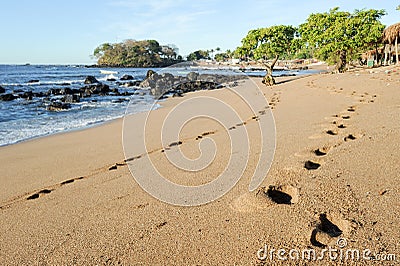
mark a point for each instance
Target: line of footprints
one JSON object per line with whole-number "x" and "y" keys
{"x": 45, "y": 191}
{"x": 327, "y": 227}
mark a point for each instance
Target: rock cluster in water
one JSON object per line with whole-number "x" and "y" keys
{"x": 159, "y": 85}
{"x": 166, "y": 83}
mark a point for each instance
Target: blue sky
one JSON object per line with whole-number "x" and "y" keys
{"x": 66, "y": 32}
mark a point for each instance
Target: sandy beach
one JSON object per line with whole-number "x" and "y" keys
{"x": 70, "y": 199}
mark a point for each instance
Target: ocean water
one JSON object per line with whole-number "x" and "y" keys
{"x": 23, "y": 119}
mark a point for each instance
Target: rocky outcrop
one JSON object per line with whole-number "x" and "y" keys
{"x": 71, "y": 98}
{"x": 7, "y": 97}
{"x": 91, "y": 80}
{"x": 2, "y": 90}
{"x": 126, "y": 77}
{"x": 167, "y": 83}
{"x": 58, "y": 106}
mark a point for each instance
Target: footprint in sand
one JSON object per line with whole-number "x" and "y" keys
{"x": 208, "y": 133}
{"x": 133, "y": 158}
{"x": 346, "y": 117}
{"x": 204, "y": 134}
{"x": 37, "y": 195}
{"x": 176, "y": 143}
{"x": 341, "y": 126}
{"x": 69, "y": 181}
{"x": 113, "y": 167}
{"x": 322, "y": 151}
{"x": 332, "y": 132}
{"x": 262, "y": 112}
{"x": 310, "y": 165}
{"x": 351, "y": 109}
{"x": 285, "y": 194}
{"x": 350, "y": 137}
{"x": 265, "y": 198}
{"x": 328, "y": 229}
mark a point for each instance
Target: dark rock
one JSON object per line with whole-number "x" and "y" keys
{"x": 126, "y": 77}
{"x": 65, "y": 84}
{"x": 26, "y": 95}
{"x": 111, "y": 79}
{"x": 150, "y": 81}
{"x": 39, "y": 94}
{"x": 18, "y": 91}
{"x": 115, "y": 91}
{"x": 131, "y": 84}
{"x": 192, "y": 76}
{"x": 58, "y": 106}
{"x": 2, "y": 90}
{"x": 65, "y": 91}
{"x": 126, "y": 93}
{"x": 71, "y": 98}
{"x": 100, "y": 88}
{"x": 33, "y": 81}
{"x": 150, "y": 73}
{"x": 91, "y": 80}
{"x": 119, "y": 100}
{"x": 7, "y": 97}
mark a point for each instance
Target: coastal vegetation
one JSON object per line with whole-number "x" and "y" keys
{"x": 132, "y": 53}
{"x": 335, "y": 36}
{"x": 199, "y": 54}
{"x": 338, "y": 36}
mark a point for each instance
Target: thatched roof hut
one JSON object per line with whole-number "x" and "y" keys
{"x": 391, "y": 35}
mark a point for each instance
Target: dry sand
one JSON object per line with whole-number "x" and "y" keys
{"x": 60, "y": 204}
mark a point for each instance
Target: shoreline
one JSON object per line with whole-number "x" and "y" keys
{"x": 284, "y": 79}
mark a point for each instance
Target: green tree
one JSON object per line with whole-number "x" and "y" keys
{"x": 220, "y": 57}
{"x": 132, "y": 53}
{"x": 339, "y": 36}
{"x": 197, "y": 55}
{"x": 264, "y": 43}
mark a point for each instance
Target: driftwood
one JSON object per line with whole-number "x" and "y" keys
{"x": 268, "y": 79}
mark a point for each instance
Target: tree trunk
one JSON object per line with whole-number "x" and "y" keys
{"x": 341, "y": 65}
{"x": 397, "y": 51}
{"x": 268, "y": 79}
{"x": 378, "y": 62}
{"x": 386, "y": 54}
